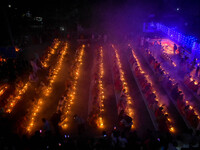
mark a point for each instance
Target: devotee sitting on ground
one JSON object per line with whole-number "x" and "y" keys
{"x": 159, "y": 112}
{"x": 155, "y": 106}
{"x": 161, "y": 76}
{"x": 169, "y": 82}
{"x": 33, "y": 77}
{"x": 60, "y": 104}
{"x": 123, "y": 92}
{"x": 151, "y": 98}
{"x": 180, "y": 104}
{"x": 137, "y": 71}
{"x": 175, "y": 91}
{"x": 122, "y": 103}
{"x": 156, "y": 66}
{"x": 92, "y": 118}
{"x": 34, "y": 65}
{"x": 145, "y": 86}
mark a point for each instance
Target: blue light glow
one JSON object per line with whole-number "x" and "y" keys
{"x": 188, "y": 42}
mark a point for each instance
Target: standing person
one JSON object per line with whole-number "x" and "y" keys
{"x": 123, "y": 92}
{"x": 146, "y": 44}
{"x": 55, "y": 120}
{"x": 60, "y": 104}
{"x": 123, "y": 141}
{"x": 197, "y": 71}
{"x": 125, "y": 124}
{"x": 46, "y": 126}
{"x": 175, "y": 48}
{"x": 34, "y": 65}
{"x": 81, "y": 124}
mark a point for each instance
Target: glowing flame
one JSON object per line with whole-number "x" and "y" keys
{"x": 50, "y": 53}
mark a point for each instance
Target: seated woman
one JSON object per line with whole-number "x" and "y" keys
{"x": 144, "y": 84}
{"x": 134, "y": 65}
{"x": 161, "y": 76}
{"x": 118, "y": 85}
{"x": 125, "y": 124}
{"x": 122, "y": 103}
{"x": 162, "y": 123}
{"x": 151, "y": 98}
{"x": 137, "y": 71}
{"x": 175, "y": 91}
{"x": 187, "y": 79}
{"x": 123, "y": 93}
{"x": 158, "y": 112}
{"x": 169, "y": 82}
{"x": 148, "y": 92}
{"x": 192, "y": 118}
{"x": 180, "y": 103}
{"x": 147, "y": 88}
{"x": 154, "y": 107}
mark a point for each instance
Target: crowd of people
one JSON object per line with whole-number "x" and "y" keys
{"x": 121, "y": 137}
{"x": 188, "y": 67}
{"x": 150, "y": 96}
{"x": 18, "y": 71}
{"x": 112, "y": 139}
{"x": 39, "y": 84}
{"x": 191, "y": 80}
{"x": 178, "y": 96}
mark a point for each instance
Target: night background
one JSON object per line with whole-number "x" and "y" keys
{"x": 20, "y": 18}
{"x": 100, "y": 74}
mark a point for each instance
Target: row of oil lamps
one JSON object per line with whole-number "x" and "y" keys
{"x": 101, "y": 97}
{"x": 51, "y": 52}
{"x": 46, "y": 91}
{"x": 186, "y": 101}
{"x": 3, "y": 89}
{"x": 129, "y": 109}
{"x": 71, "y": 93}
{"x": 21, "y": 89}
{"x": 171, "y": 128}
